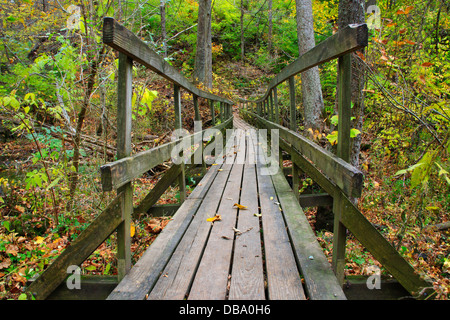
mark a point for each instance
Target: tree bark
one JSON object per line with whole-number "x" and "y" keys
{"x": 270, "y": 36}
{"x": 203, "y": 55}
{"x": 242, "y": 32}
{"x": 162, "y": 10}
{"x": 353, "y": 11}
{"x": 311, "y": 87}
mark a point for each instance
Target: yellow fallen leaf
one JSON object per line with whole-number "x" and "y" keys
{"x": 217, "y": 217}
{"x": 38, "y": 240}
{"x": 240, "y": 206}
{"x": 132, "y": 230}
{"x": 20, "y": 209}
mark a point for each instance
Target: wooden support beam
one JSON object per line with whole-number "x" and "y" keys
{"x": 275, "y": 103}
{"x": 196, "y": 110}
{"x": 213, "y": 112}
{"x": 343, "y": 152}
{"x": 79, "y": 250}
{"x": 315, "y": 200}
{"x": 124, "y": 116}
{"x": 92, "y": 287}
{"x": 347, "y": 177}
{"x": 346, "y": 40}
{"x": 120, "y": 172}
{"x": 363, "y": 230}
{"x": 123, "y": 40}
{"x": 293, "y": 107}
{"x": 179, "y": 125}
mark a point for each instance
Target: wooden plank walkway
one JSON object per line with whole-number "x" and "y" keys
{"x": 250, "y": 254}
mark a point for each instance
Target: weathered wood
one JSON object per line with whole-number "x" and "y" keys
{"x": 344, "y": 107}
{"x": 124, "y": 97}
{"x": 92, "y": 287}
{"x": 390, "y": 289}
{"x": 295, "y": 180}
{"x": 283, "y": 277}
{"x": 347, "y": 177}
{"x": 315, "y": 200}
{"x": 158, "y": 190}
{"x": 382, "y": 250}
{"x": 275, "y": 102}
{"x": 218, "y": 251}
{"x": 161, "y": 186}
{"x": 362, "y": 229}
{"x": 213, "y": 112}
{"x": 123, "y": 40}
{"x": 120, "y": 172}
{"x": 320, "y": 281}
{"x": 293, "y": 107}
{"x": 346, "y": 40}
{"x": 174, "y": 280}
{"x": 343, "y": 152}
{"x": 147, "y": 270}
{"x": 196, "y": 109}
{"x": 179, "y": 126}
{"x": 247, "y": 280}
{"x": 79, "y": 250}
{"x": 164, "y": 210}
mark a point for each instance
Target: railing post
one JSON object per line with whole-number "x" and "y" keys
{"x": 275, "y": 103}
{"x": 124, "y": 94}
{"x": 213, "y": 113}
{"x": 179, "y": 125}
{"x": 343, "y": 151}
{"x": 196, "y": 110}
{"x": 271, "y": 105}
{"x": 221, "y": 111}
{"x": 293, "y": 110}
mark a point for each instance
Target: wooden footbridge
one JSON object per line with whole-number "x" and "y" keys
{"x": 241, "y": 233}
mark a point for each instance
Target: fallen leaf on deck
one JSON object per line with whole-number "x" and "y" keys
{"x": 240, "y": 206}
{"x": 217, "y": 217}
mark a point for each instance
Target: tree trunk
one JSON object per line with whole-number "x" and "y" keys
{"x": 162, "y": 10}
{"x": 269, "y": 45}
{"x": 353, "y": 11}
{"x": 203, "y": 54}
{"x": 242, "y": 31}
{"x": 95, "y": 59}
{"x": 311, "y": 87}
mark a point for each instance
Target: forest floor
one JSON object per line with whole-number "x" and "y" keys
{"x": 30, "y": 239}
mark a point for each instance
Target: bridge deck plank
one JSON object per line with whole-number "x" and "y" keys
{"x": 248, "y": 254}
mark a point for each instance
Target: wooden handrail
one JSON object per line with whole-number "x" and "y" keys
{"x": 348, "y": 178}
{"x": 349, "y": 39}
{"x": 118, "y": 173}
{"x": 123, "y": 40}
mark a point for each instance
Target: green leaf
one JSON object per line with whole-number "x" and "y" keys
{"x": 54, "y": 182}
{"x": 91, "y": 268}
{"x": 334, "y": 120}
{"x": 107, "y": 268}
{"x": 354, "y": 132}
{"x": 332, "y": 137}
{"x": 22, "y": 296}
{"x": 7, "y": 225}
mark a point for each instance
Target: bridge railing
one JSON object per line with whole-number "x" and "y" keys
{"x": 332, "y": 172}
{"x": 118, "y": 175}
